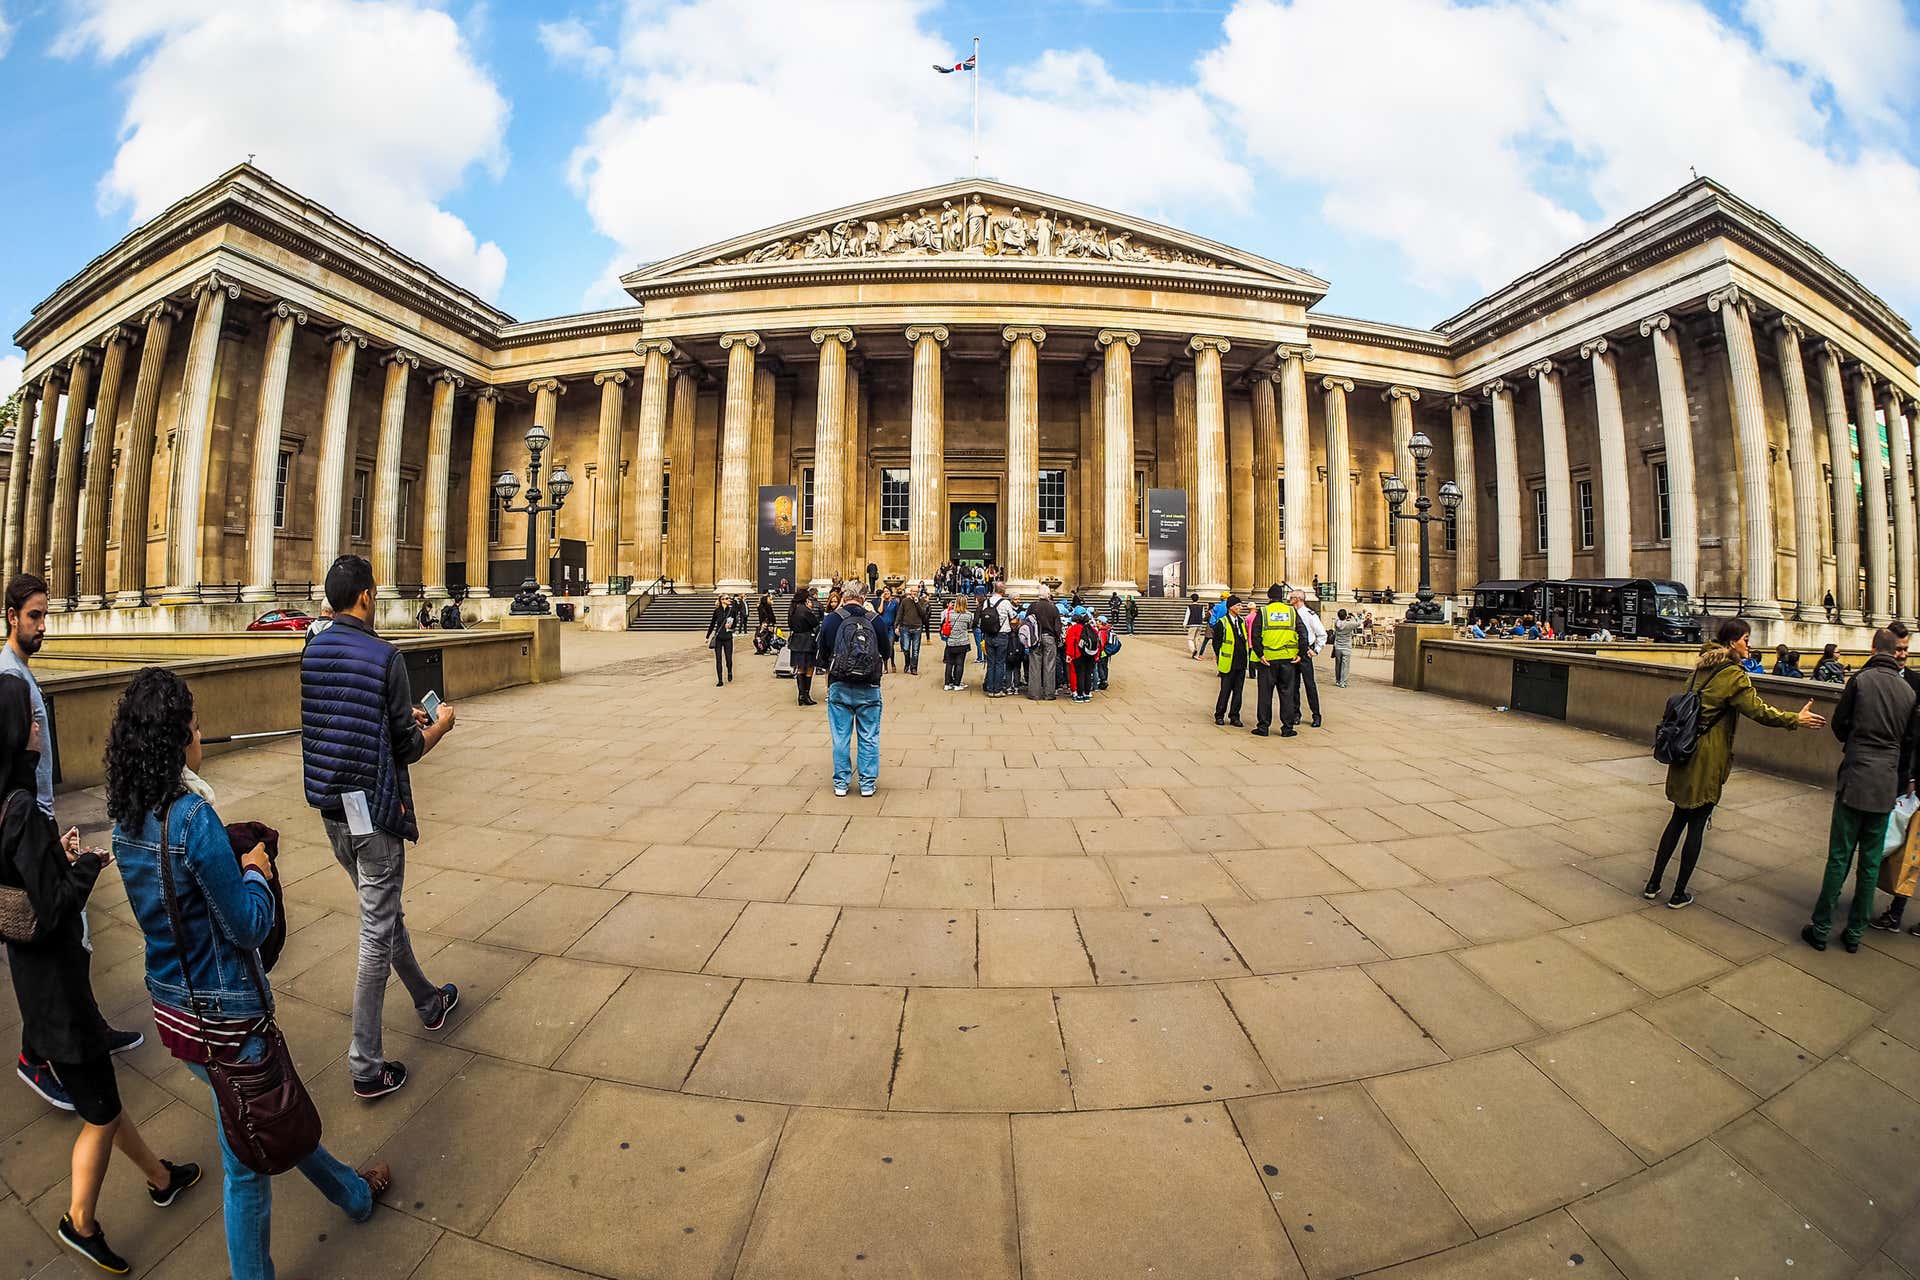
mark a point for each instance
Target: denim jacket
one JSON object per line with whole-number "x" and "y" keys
{"x": 225, "y": 913}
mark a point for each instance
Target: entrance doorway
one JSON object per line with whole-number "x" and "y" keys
{"x": 971, "y": 530}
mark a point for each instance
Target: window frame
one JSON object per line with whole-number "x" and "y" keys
{"x": 806, "y": 501}
{"x": 1583, "y": 496}
{"x": 282, "y": 481}
{"x": 1042, "y": 499}
{"x": 1540, "y": 510}
{"x": 896, "y": 488}
{"x": 1662, "y": 501}
{"x": 357, "y": 511}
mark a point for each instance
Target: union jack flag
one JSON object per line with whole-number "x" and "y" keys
{"x": 968, "y": 65}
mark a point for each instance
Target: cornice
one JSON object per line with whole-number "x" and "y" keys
{"x": 866, "y": 271}
{"x": 1367, "y": 334}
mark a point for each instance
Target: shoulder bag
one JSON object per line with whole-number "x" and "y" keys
{"x": 19, "y": 922}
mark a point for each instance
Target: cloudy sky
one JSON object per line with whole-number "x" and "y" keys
{"x": 1416, "y": 153}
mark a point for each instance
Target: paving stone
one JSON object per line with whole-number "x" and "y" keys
{"x": 1144, "y": 1046}
{"x": 1395, "y": 923}
{"x": 1052, "y": 834}
{"x": 553, "y": 920}
{"x": 648, "y": 932}
{"x": 1645, "y": 954}
{"x": 1166, "y": 944}
{"x": 1445, "y": 857}
{"x": 1857, "y": 1122}
{"x": 1500, "y": 1138}
{"x": 775, "y": 940}
{"x": 1293, "y": 933}
{"x": 1326, "y": 1026}
{"x": 1551, "y": 1244}
{"x": 670, "y": 868}
{"x": 1713, "y": 931}
{"x": 1761, "y": 1059}
{"x": 1166, "y": 879}
{"x": 844, "y": 879}
{"x": 1550, "y": 981}
{"x": 980, "y": 1051}
{"x": 1484, "y": 910}
{"x": 1283, "y": 873}
{"x": 1889, "y": 1058}
{"x": 1867, "y": 975}
{"x": 639, "y": 1184}
{"x": 1652, "y": 1224}
{"x": 1799, "y": 1006}
{"x": 310, "y": 1237}
{"x": 1369, "y": 866}
{"x": 465, "y": 906}
{"x": 571, "y": 860}
{"x": 758, "y": 875}
{"x": 1032, "y": 949}
{"x": 537, "y": 1015}
{"x": 1092, "y": 1208}
{"x": 1571, "y": 893}
{"x": 1030, "y": 882}
{"x": 1833, "y": 1203}
{"x": 799, "y": 1042}
{"x": 1461, "y": 1013}
{"x": 457, "y": 1258}
{"x": 910, "y": 948}
{"x": 939, "y": 880}
{"x": 353, "y": 1131}
{"x": 651, "y": 1030}
{"x": 1351, "y": 1193}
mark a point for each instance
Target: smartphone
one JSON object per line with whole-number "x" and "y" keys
{"x": 431, "y": 705}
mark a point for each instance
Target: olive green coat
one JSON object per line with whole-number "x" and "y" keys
{"x": 1726, "y": 694}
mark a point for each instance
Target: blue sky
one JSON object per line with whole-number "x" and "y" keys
{"x": 1416, "y": 153}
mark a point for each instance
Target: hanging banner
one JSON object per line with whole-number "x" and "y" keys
{"x": 1166, "y": 542}
{"x": 779, "y": 515}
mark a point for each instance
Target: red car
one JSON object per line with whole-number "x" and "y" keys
{"x": 281, "y": 620}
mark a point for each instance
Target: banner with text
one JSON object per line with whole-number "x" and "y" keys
{"x": 1166, "y": 542}
{"x": 779, "y": 516}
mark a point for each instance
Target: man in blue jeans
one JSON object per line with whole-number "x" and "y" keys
{"x": 851, "y": 657}
{"x": 996, "y": 624}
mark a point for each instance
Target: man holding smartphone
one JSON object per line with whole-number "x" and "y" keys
{"x": 359, "y": 730}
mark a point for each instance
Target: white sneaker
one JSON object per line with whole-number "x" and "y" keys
{"x": 839, "y": 790}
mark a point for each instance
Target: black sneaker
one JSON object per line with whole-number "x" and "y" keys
{"x": 1288, "y": 731}
{"x": 1681, "y": 898}
{"x": 39, "y": 1077}
{"x": 1316, "y": 722}
{"x": 1259, "y": 733}
{"x": 93, "y": 1248}
{"x": 1235, "y": 722}
{"x": 449, "y": 1001}
{"x": 391, "y": 1077}
{"x": 1884, "y": 922}
{"x": 1812, "y": 939}
{"x": 1849, "y": 945}
{"x": 1652, "y": 890}
{"x": 124, "y": 1041}
{"x": 1219, "y": 719}
{"x": 183, "y": 1175}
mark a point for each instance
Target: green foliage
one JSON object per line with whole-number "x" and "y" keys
{"x": 10, "y": 411}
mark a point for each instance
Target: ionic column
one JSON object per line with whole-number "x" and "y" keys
{"x": 546, "y": 412}
{"x": 40, "y": 477}
{"x": 66, "y": 480}
{"x": 733, "y": 573}
{"x": 1902, "y": 470}
{"x": 1208, "y": 542}
{"x": 927, "y": 481}
{"x": 859, "y": 474}
{"x": 1873, "y": 485}
{"x": 1616, "y": 508}
{"x": 480, "y": 497}
{"x": 106, "y": 414}
{"x": 1846, "y": 498}
{"x": 1757, "y": 578}
{"x": 330, "y": 478}
{"x": 1506, "y": 475}
{"x": 282, "y": 319}
{"x": 18, "y": 468}
{"x": 762, "y": 444}
{"x": 1559, "y": 477}
{"x": 1092, "y": 478}
{"x": 386, "y": 467}
{"x": 1267, "y": 566}
{"x": 1406, "y": 551}
{"x": 650, "y": 461}
{"x": 192, "y": 438}
{"x": 1023, "y": 458}
{"x": 1807, "y": 495}
{"x": 1118, "y": 371}
{"x": 686, "y": 394}
{"x": 434, "y": 505}
{"x": 1339, "y": 496}
{"x": 1466, "y": 523}
{"x": 1185, "y": 430}
{"x": 1683, "y": 560}
{"x": 606, "y": 483}
{"x": 830, "y": 446}
{"x": 135, "y": 474}
{"x": 1297, "y": 461}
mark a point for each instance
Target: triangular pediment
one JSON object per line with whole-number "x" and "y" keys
{"x": 970, "y": 223}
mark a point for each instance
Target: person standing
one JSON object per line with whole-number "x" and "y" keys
{"x": 886, "y": 609}
{"x": 1133, "y": 613}
{"x": 956, "y": 627}
{"x": 1230, "y": 644}
{"x": 1345, "y": 628}
{"x": 996, "y": 625}
{"x": 359, "y": 730}
{"x": 1833, "y": 613}
{"x": 1197, "y": 626}
{"x": 1043, "y": 666}
{"x": 1274, "y": 636}
{"x": 1694, "y": 785}
{"x": 803, "y": 634}
{"x": 1875, "y": 724}
{"x": 911, "y": 628}
{"x": 852, "y": 655}
{"x": 1313, "y": 639}
{"x": 720, "y": 638}
{"x": 873, "y": 578}
{"x": 1085, "y": 646}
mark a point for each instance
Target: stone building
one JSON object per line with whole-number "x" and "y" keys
{"x": 1681, "y": 396}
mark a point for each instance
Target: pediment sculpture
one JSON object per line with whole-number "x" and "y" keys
{"x": 958, "y": 228}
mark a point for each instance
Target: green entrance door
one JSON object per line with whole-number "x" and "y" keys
{"x": 971, "y": 528}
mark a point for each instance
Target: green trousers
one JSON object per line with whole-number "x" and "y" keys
{"x": 1853, "y": 830}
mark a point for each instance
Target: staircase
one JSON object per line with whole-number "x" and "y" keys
{"x": 686, "y": 611}
{"x": 692, "y": 610}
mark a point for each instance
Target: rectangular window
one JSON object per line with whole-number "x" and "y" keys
{"x": 360, "y": 480}
{"x": 494, "y": 516}
{"x": 1280, "y": 485}
{"x": 1539, "y": 519}
{"x": 1832, "y": 514}
{"x": 1139, "y": 504}
{"x": 1450, "y": 524}
{"x": 894, "y": 496}
{"x": 406, "y": 510}
{"x": 806, "y": 501}
{"x": 1662, "y": 503}
{"x": 666, "y": 500}
{"x": 1586, "y": 515}
{"x": 282, "y": 470}
{"x": 1053, "y": 502}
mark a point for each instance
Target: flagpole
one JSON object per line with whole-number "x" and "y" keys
{"x": 976, "y": 106}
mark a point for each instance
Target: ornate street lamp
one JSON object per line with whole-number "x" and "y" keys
{"x": 529, "y": 600}
{"x": 1423, "y": 609}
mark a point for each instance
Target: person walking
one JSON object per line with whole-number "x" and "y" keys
{"x": 359, "y": 730}
{"x": 719, "y": 637}
{"x": 1133, "y": 613}
{"x": 1197, "y": 626}
{"x": 803, "y": 635}
{"x": 1274, "y": 635}
{"x": 209, "y": 994}
{"x": 1345, "y": 628}
{"x": 1875, "y": 723}
{"x": 852, "y": 654}
{"x": 1833, "y": 611}
{"x": 996, "y": 626}
{"x": 1314, "y": 638}
{"x": 1230, "y": 646}
{"x": 53, "y": 986}
{"x": 957, "y": 628}
{"x": 1694, "y": 785}
{"x": 1043, "y": 666}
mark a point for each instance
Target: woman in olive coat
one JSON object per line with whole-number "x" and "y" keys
{"x": 1694, "y": 784}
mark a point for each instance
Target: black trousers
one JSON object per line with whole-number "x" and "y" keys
{"x": 1233, "y": 686}
{"x": 722, "y": 657}
{"x": 1279, "y": 677}
{"x": 956, "y": 665}
{"x": 1694, "y": 823}
{"x": 1305, "y": 670}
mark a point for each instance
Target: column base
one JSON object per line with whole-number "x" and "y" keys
{"x": 478, "y": 593}
{"x": 1125, "y": 586}
{"x": 1763, "y": 609}
{"x": 733, "y": 587}
{"x": 1208, "y": 591}
{"x": 58, "y": 604}
{"x": 822, "y": 585}
{"x": 1025, "y": 588}
{"x": 91, "y": 602}
{"x": 596, "y": 588}
{"x": 1877, "y": 619}
{"x": 259, "y": 593}
{"x": 178, "y": 595}
{"x": 318, "y": 593}
{"x": 436, "y": 593}
{"x": 1851, "y": 618}
{"x": 128, "y": 599}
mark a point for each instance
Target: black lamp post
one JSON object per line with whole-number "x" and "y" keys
{"x": 1423, "y": 609}
{"x": 529, "y": 600}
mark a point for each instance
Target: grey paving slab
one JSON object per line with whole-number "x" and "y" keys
{"x": 1761, "y": 1059}
{"x": 980, "y": 1051}
{"x": 1799, "y": 1006}
{"x": 1849, "y": 1216}
{"x": 1551, "y": 982}
{"x": 1144, "y": 1046}
{"x": 1326, "y": 1026}
{"x": 805, "y": 1043}
{"x": 1463, "y": 1014}
{"x": 1855, "y": 1121}
{"x": 1552, "y": 1244}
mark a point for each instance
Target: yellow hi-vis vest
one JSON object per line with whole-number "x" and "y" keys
{"x": 1279, "y": 642}
{"x": 1231, "y": 638}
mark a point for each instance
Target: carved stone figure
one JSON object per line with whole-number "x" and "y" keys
{"x": 1043, "y": 234}
{"x": 1013, "y": 232}
{"x": 976, "y": 223}
{"x": 952, "y": 227}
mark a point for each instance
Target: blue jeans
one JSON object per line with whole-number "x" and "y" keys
{"x": 910, "y": 647}
{"x": 979, "y": 645}
{"x": 851, "y": 706}
{"x": 997, "y": 663}
{"x": 247, "y": 1201}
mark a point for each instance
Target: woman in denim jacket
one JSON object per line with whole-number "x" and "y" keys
{"x": 225, "y": 909}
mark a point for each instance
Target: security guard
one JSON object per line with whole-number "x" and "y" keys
{"x": 1277, "y": 642}
{"x": 1230, "y": 642}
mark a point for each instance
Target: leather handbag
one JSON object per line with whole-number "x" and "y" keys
{"x": 19, "y": 922}
{"x": 266, "y": 1115}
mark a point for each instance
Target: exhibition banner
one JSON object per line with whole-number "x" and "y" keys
{"x": 779, "y": 519}
{"x": 1166, "y": 542}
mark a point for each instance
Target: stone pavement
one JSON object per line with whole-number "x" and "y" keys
{"x": 1085, "y": 991}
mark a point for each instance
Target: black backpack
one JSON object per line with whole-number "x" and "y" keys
{"x": 1090, "y": 646}
{"x": 990, "y": 619}
{"x": 1678, "y": 734}
{"x": 856, "y": 650}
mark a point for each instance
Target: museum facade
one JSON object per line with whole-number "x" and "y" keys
{"x": 247, "y": 385}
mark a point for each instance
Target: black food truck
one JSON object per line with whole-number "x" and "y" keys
{"x": 1505, "y": 599}
{"x": 1654, "y": 609}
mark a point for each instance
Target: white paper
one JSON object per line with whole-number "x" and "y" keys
{"x": 359, "y": 817}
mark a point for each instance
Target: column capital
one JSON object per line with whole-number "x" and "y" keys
{"x": 213, "y": 282}
{"x": 1196, "y": 344}
{"x": 1107, "y": 337}
{"x": 84, "y": 355}
{"x": 938, "y": 332}
{"x": 647, "y": 346}
{"x": 1014, "y": 332}
{"x": 348, "y": 336}
{"x": 1544, "y": 369}
{"x": 160, "y": 310}
{"x": 751, "y": 341}
{"x": 1857, "y": 370}
{"x": 554, "y": 385}
{"x": 1400, "y": 393}
{"x": 449, "y": 377}
{"x": 1828, "y": 349}
{"x": 284, "y": 310}
{"x": 1658, "y": 320}
{"x": 839, "y": 333}
{"x": 401, "y": 356}
{"x": 115, "y": 333}
{"x": 1784, "y": 323}
{"x": 1287, "y": 351}
{"x": 1598, "y": 347}
{"x": 53, "y": 381}
{"x": 1495, "y": 389}
{"x": 487, "y": 393}
{"x": 1342, "y": 385}
{"x": 1460, "y": 400}
{"x": 1731, "y": 296}
{"x": 618, "y": 377}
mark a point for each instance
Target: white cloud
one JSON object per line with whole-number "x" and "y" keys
{"x": 6, "y": 33}
{"x": 377, "y": 108}
{"x": 728, "y": 115}
{"x": 12, "y": 368}
{"x": 1864, "y": 51}
{"x": 570, "y": 43}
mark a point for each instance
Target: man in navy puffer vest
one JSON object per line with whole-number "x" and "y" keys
{"x": 359, "y": 730}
